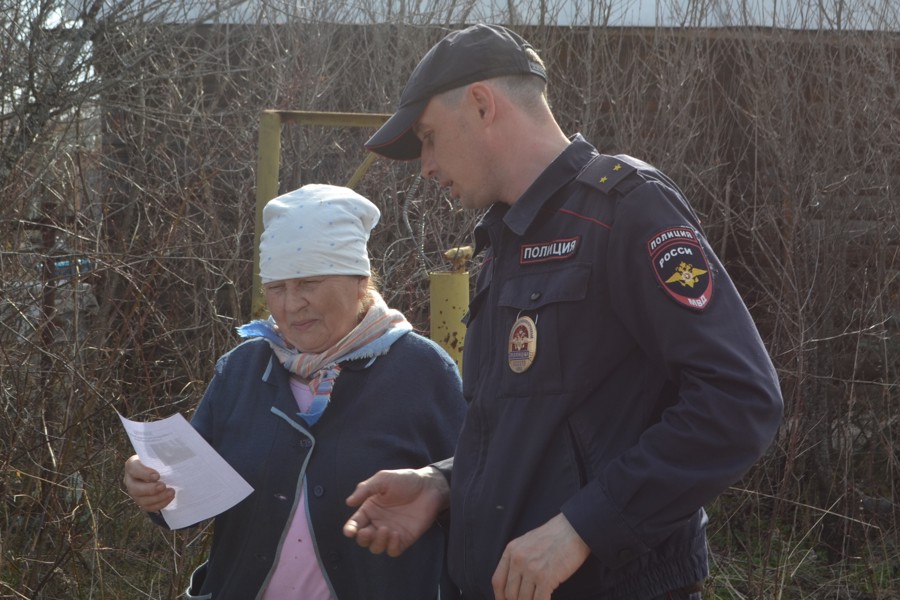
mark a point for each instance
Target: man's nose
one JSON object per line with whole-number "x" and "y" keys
{"x": 427, "y": 166}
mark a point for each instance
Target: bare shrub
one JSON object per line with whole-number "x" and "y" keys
{"x": 130, "y": 139}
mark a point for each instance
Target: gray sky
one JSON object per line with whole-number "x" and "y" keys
{"x": 800, "y": 14}
{"x": 790, "y": 14}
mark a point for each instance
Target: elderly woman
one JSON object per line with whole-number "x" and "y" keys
{"x": 333, "y": 387}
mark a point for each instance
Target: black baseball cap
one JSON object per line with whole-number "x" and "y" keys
{"x": 465, "y": 56}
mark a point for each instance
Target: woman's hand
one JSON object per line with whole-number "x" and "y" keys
{"x": 143, "y": 485}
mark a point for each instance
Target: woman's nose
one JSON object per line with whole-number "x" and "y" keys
{"x": 296, "y": 298}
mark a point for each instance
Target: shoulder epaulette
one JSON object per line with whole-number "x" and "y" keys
{"x": 605, "y": 172}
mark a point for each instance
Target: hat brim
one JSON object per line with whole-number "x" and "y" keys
{"x": 396, "y": 139}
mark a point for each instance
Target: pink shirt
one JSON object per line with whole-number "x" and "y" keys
{"x": 297, "y": 573}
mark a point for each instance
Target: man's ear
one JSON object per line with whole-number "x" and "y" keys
{"x": 482, "y": 98}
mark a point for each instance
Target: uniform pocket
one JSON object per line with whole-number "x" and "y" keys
{"x": 533, "y": 291}
{"x": 553, "y": 300}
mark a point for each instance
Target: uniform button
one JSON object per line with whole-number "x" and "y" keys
{"x": 305, "y": 443}
{"x": 280, "y": 497}
{"x": 261, "y": 557}
{"x": 318, "y": 491}
{"x": 535, "y": 295}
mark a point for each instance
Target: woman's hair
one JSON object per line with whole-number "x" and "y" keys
{"x": 373, "y": 286}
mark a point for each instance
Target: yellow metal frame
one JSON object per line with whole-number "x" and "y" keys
{"x": 268, "y": 167}
{"x": 449, "y": 291}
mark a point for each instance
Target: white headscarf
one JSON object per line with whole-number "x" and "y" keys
{"x": 316, "y": 230}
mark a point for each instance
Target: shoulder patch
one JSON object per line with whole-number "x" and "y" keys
{"x": 605, "y": 172}
{"x": 680, "y": 266}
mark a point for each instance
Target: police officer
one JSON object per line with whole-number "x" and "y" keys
{"x": 615, "y": 378}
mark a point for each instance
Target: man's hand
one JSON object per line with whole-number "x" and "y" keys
{"x": 396, "y": 508}
{"x": 534, "y": 565}
{"x": 143, "y": 485}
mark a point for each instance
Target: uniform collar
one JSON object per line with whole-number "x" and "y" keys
{"x": 487, "y": 222}
{"x": 558, "y": 173}
{"x": 522, "y": 214}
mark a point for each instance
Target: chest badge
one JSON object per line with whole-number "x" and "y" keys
{"x": 522, "y": 344}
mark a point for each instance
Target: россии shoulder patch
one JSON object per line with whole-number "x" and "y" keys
{"x": 681, "y": 267}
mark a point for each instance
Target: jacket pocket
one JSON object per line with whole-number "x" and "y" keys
{"x": 554, "y": 301}
{"x": 577, "y": 455}
{"x": 196, "y": 584}
{"x": 533, "y": 291}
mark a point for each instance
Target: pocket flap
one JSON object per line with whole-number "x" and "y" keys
{"x": 534, "y": 290}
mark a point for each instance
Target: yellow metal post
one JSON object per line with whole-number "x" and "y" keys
{"x": 449, "y": 291}
{"x": 361, "y": 170}
{"x": 268, "y": 163}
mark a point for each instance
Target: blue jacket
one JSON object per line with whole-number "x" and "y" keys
{"x": 403, "y": 409}
{"x": 650, "y": 390}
